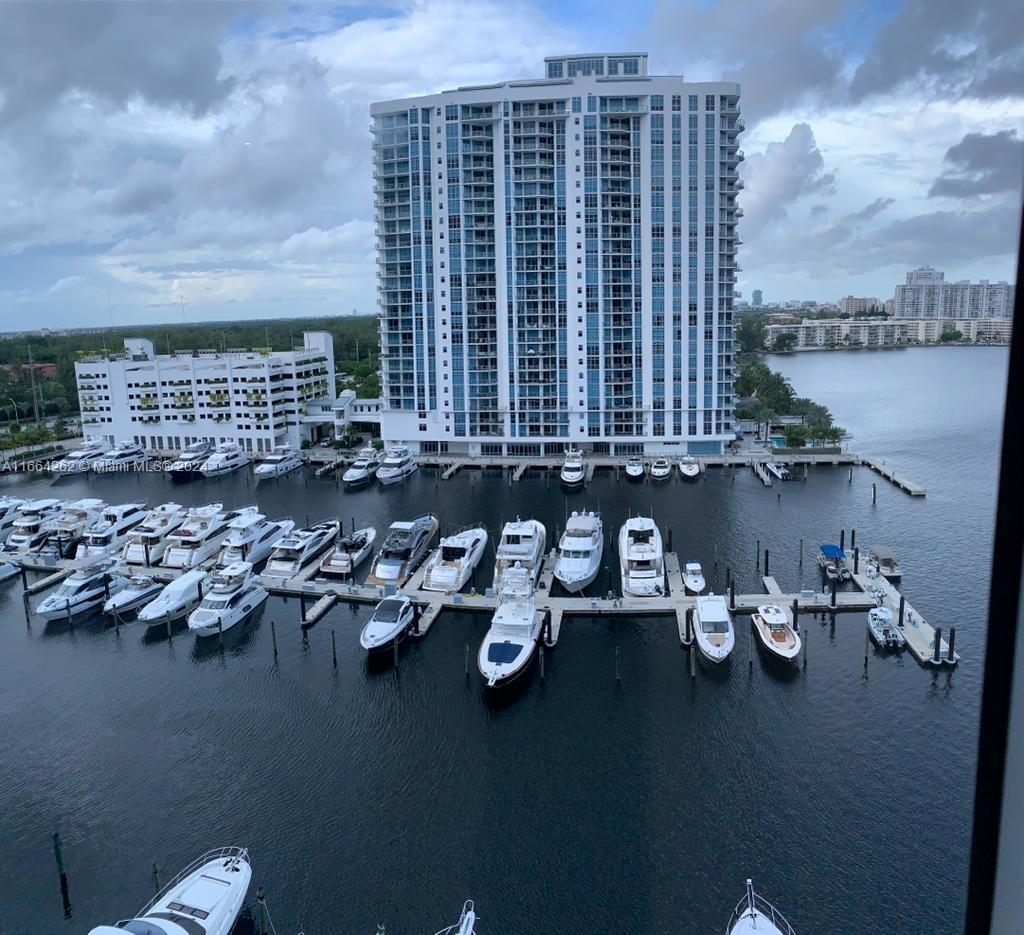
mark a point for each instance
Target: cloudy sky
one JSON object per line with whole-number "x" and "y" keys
{"x": 212, "y": 160}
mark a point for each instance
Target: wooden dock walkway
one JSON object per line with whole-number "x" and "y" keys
{"x": 894, "y": 477}
{"x": 761, "y": 472}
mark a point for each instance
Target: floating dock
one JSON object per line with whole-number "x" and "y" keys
{"x": 894, "y": 477}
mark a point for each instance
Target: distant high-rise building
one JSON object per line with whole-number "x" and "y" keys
{"x": 557, "y": 260}
{"x": 756, "y": 298}
{"x": 858, "y": 305}
{"x": 926, "y": 294}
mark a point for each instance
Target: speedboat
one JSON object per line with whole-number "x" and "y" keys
{"x": 693, "y": 577}
{"x": 635, "y": 469}
{"x": 80, "y": 460}
{"x": 226, "y": 457}
{"x": 363, "y": 468}
{"x": 778, "y": 470}
{"x": 574, "y": 471}
{"x": 390, "y": 622}
{"x": 661, "y": 469}
{"x": 124, "y": 456}
{"x": 85, "y": 588}
{"x": 350, "y": 550}
{"x": 712, "y": 627}
{"x": 884, "y": 632}
{"x": 466, "y": 924}
{"x": 10, "y": 507}
{"x": 148, "y": 541}
{"x": 452, "y": 564}
{"x": 832, "y": 560}
{"x": 200, "y": 536}
{"x": 139, "y": 591}
{"x": 34, "y": 522}
{"x": 641, "y": 558}
{"x": 299, "y": 548}
{"x": 689, "y": 469}
{"x": 231, "y": 594}
{"x": 176, "y": 600}
{"x": 190, "y": 461}
{"x": 772, "y": 626}
{"x": 68, "y": 529}
{"x": 251, "y": 538}
{"x": 885, "y": 562}
{"x": 110, "y": 530}
{"x": 521, "y": 542}
{"x": 754, "y": 915}
{"x": 579, "y": 551}
{"x": 204, "y": 899}
{"x": 396, "y": 466}
{"x": 282, "y": 460}
{"x": 405, "y": 546}
{"x": 508, "y": 647}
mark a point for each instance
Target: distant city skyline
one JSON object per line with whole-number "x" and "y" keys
{"x": 235, "y": 182}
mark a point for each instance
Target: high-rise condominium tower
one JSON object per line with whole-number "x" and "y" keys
{"x": 557, "y": 262}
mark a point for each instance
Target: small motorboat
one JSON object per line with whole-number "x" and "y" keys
{"x": 450, "y": 566}
{"x": 832, "y": 560}
{"x": 405, "y": 546}
{"x": 509, "y": 645}
{"x": 282, "y": 460}
{"x": 139, "y": 591}
{"x": 190, "y": 461}
{"x": 522, "y": 543}
{"x": 348, "y": 553}
{"x": 579, "y": 551}
{"x": 226, "y": 457}
{"x": 661, "y": 469}
{"x": 363, "y": 469}
{"x": 397, "y": 466}
{"x": 389, "y": 624}
{"x": 635, "y": 469}
{"x": 693, "y": 577}
{"x": 883, "y": 630}
{"x": 754, "y": 915}
{"x": 689, "y": 469}
{"x": 233, "y": 593}
{"x": 712, "y": 627}
{"x": 574, "y": 471}
{"x": 204, "y": 899}
{"x": 84, "y": 589}
{"x": 641, "y": 558}
{"x": 885, "y": 562}
{"x": 176, "y": 600}
{"x": 775, "y": 631}
{"x": 778, "y": 470}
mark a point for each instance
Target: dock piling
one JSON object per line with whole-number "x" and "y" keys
{"x": 801, "y": 553}
{"x": 334, "y": 650}
{"x": 766, "y": 572}
{"x": 273, "y": 637}
{"x": 807, "y": 634}
{"x": 618, "y": 670}
{"x": 732, "y": 594}
{"x": 394, "y": 646}
{"x": 853, "y": 538}
{"x": 542, "y": 661}
{"x": 156, "y": 877}
{"x": 670, "y": 538}
{"x": 220, "y": 631}
{"x": 938, "y": 643}
{"x": 796, "y": 615}
{"x": 262, "y": 921}
{"x": 750, "y": 650}
{"x": 832, "y": 602}
{"x": 466, "y": 661}
{"x": 951, "y": 656}
{"x": 693, "y": 664}
{"x": 874, "y": 492}
{"x": 757, "y": 555}
{"x": 850, "y": 481}
{"x": 842, "y": 539}
{"x": 728, "y": 577}
{"x": 856, "y": 561}
{"x": 867, "y": 646}
{"x": 58, "y": 853}
{"x": 903, "y": 605}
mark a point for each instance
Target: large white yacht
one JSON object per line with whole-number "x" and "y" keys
{"x": 579, "y": 551}
{"x": 396, "y": 466}
{"x": 363, "y": 469}
{"x": 251, "y": 538}
{"x": 10, "y": 507}
{"x": 521, "y": 541}
{"x": 405, "y": 546}
{"x": 124, "y": 456}
{"x": 80, "y": 460}
{"x": 389, "y": 623}
{"x": 349, "y": 551}
{"x": 203, "y": 899}
{"x": 574, "y": 471}
{"x": 641, "y": 558}
{"x": 689, "y": 469}
{"x": 68, "y": 529}
{"x": 450, "y": 566}
{"x": 754, "y": 915}
{"x": 148, "y": 541}
{"x": 176, "y": 600}
{"x": 227, "y": 457}
{"x": 139, "y": 591}
{"x": 296, "y": 550}
{"x": 510, "y": 642}
{"x": 232, "y": 594}
{"x": 190, "y": 461}
{"x": 200, "y": 536}
{"x": 35, "y": 520}
{"x": 108, "y": 533}
{"x": 775, "y": 630}
{"x": 712, "y": 627}
{"x": 282, "y": 460}
{"x": 85, "y": 588}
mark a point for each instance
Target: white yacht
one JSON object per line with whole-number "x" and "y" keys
{"x": 282, "y": 460}
{"x": 689, "y": 469}
{"x": 35, "y": 520}
{"x": 635, "y": 468}
{"x": 108, "y": 533}
{"x": 124, "y": 456}
{"x": 405, "y": 546}
{"x": 10, "y": 507}
{"x": 80, "y": 460}
{"x": 232, "y": 593}
{"x": 296, "y": 550}
{"x": 778, "y": 470}
{"x": 175, "y": 600}
{"x": 579, "y": 551}
{"x": 574, "y": 471}
{"x": 85, "y": 588}
{"x": 661, "y": 469}
{"x": 68, "y": 529}
{"x": 139, "y": 591}
{"x": 508, "y": 647}
{"x": 754, "y": 915}
{"x": 190, "y": 461}
{"x": 832, "y": 560}
{"x": 641, "y": 558}
{"x": 883, "y": 630}
{"x": 712, "y": 628}
{"x": 204, "y": 899}
{"x": 226, "y": 457}
{"x": 200, "y": 536}
{"x": 396, "y": 466}
{"x": 450, "y": 566}
{"x": 389, "y": 624}
{"x": 349, "y": 552}
{"x": 466, "y": 924}
{"x": 775, "y": 631}
{"x": 251, "y": 538}
{"x": 693, "y": 577}
{"x": 521, "y": 541}
{"x": 363, "y": 468}
{"x": 148, "y": 541}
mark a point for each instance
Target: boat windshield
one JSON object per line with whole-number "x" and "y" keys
{"x": 452, "y": 553}
{"x": 502, "y": 652}
{"x": 714, "y": 625}
{"x": 215, "y": 602}
{"x": 638, "y": 536}
{"x": 388, "y": 611}
{"x": 575, "y": 553}
{"x": 140, "y": 927}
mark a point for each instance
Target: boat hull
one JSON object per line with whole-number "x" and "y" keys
{"x": 575, "y": 585}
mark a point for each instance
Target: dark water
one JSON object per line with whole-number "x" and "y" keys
{"x": 582, "y": 804}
